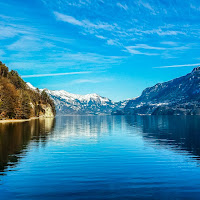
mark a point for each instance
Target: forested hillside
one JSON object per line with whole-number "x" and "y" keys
{"x": 18, "y": 101}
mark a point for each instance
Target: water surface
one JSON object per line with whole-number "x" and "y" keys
{"x": 101, "y": 157}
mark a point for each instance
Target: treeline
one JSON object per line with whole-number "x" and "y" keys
{"x": 17, "y": 100}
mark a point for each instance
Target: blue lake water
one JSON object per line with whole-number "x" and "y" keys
{"x": 101, "y": 157}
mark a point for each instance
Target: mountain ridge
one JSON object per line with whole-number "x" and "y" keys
{"x": 75, "y": 104}
{"x": 89, "y": 104}
{"x": 179, "y": 96}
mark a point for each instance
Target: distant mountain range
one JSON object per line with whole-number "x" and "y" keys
{"x": 89, "y": 104}
{"x": 180, "y": 96}
{"x": 74, "y": 104}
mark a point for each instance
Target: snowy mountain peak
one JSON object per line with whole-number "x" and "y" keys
{"x": 196, "y": 69}
{"x": 93, "y": 95}
{"x": 30, "y": 86}
{"x": 66, "y": 95}
{"x": 76, "y": 104}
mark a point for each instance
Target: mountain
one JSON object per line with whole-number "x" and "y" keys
{"x": 19, "y": 101}
{"x": 89, "y": 104}
{"x": 180, "y": 96}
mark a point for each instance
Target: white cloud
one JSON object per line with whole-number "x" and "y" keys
{"x": 197, "y": 8}
{"x": 131, "y": 50}
{"x": 147, "y": 6}
{"x": 145, "y": 46}
{"x": 175, "y": 66}
{"x": 56, "y": 74}
{"x": 162, "y": 32}
{"x": 83, "y": 23}
{"x": 10, "y": 28}
{"x": 10, "y": 32}
{"x": 89, "y": 58}
{"x": 112, "y": 42}
{"x": 61, "y": 60}
{"x": 67, "y": 18}
{"x": 170, "y": 43}
{"x": 96, "y": 80}
{"x": 27, "y": 43}
{"x": 123, "y": 6}
{"x": 134, "y": 49}
{"x": 101, "y": 37}
{"x": 168, "y": 32}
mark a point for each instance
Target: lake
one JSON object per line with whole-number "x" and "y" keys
{"x": 101, "y": 157}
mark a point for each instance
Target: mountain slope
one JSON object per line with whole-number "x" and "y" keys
{"x": 19, "y": 101}
{"x": 89, "y": 104}
{"x": 175, "y": 97}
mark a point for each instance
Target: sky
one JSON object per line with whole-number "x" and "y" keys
{"x": 115, "y": 48}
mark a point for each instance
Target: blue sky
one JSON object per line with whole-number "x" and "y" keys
{"x": 115, "y": 48}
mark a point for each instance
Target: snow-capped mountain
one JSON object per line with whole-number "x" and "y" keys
{"x": 91, "y": 104}
{"x": 180, "y": 96}
{"x": 74, "y": 104}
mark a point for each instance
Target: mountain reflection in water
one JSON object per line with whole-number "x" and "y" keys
{"x": 177, "y": 132}
{"x": 181, "y": 132}
{"x": 101, "y": 157}
{"x": 15, "y": 138}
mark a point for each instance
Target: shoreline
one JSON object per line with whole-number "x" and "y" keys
{"x": 22, "y": 120}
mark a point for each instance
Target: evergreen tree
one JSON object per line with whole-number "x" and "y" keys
{"x": 17, "y": 100}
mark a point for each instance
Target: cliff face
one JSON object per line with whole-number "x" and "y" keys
{"x": 180, "y": 96}
{"x": 19, "y": 101}
{"x": 48, "y": 111}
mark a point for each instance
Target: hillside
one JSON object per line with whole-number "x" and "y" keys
{"x": 180, "y": 96}
{"x": 19, "y": 101}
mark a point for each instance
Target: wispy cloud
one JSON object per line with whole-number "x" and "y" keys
{"x": 56, "y": 74}
{"x": 175, "y": 66}
{"x": 26, "y": 43}
{"x": 101, "y": 37}
{"x": 9, "y": 31}
{"x": 14, "y": 26}
{"x": 132, "y": 50}
{"x": 83, "y": 23}
{"x": 113, "y": 42}
{"x": 69, "y": 19}
{"x": 96, "y": 80}
{"x": 145, "y": 46}
{"x": 62, "y": 60}
{"x": 170, "y": 43}
{"x": 123, "y": 6}
{"x": 162, "y": 32}
{"x": 147, "y": 6}
{"x": 197, "y": 8}
{"x": 92, "y": 58}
